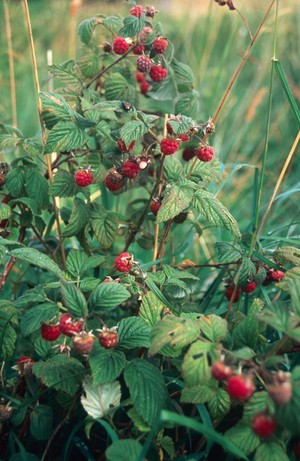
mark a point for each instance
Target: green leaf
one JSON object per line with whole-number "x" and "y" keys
{"x": 246, "y": 333}
{"x": 65, "y": 136}
{"x": 287, "y": 90}
{"x": 213, "y": 211}
{"x": 172, "y": 168}
{"x": 133, "y": 332}
{"x": 219, "y": 404}
{"x": 32, "y": 147}
{"x": 244, "y": 353}
{"x": 99, "y": 399}
{"x": 55, "y": 109}
{"x": 195, "y": 366}
{"x": 37, "y": 187}
{"x": 32, "y": 319}
{"x": 196, "y": 394}
{"x": 63, "y": 184}
{"x": 107, "y": 296}
{"x": 167, "y": 444}
{"x": 183, "y": 73}
{"x": 228, "y": 252}
{"x": 124, "y": 450}
{"x": 132, "y": 26}
{"x": 35, "y": 257}
{"x": 243, "y": 437}
{"x": 132, "y": 131}
{"x": 213, "y": 327}
{"x": 69, "y": 73}
{"x": 117, "y": 88}
{"x": 155, "y": 290}
{"x": 113, "y": 23}
{"x": 176, "y": 199}
{"x": 28, "y": 202}
{"x": 8, "y": 140}
{"x": 79, "y": 218}
{"x": 14, "y": 181}
{"x": 147, "y": 389}
{"x": 73, "y": 299}
{"x": 86, "y": 29}
{"x": 271, "y": 452}
{"x": 32, "y": 296}
{"x": 172, "y": 331}
{"x": 258, "y": 403}
{"x": 105, "y": 227}
{"x": 206, "y": 172}
{"x": 151, "y": 308}
{"x": 287, "y": 254}
{"x": 181, "y": 124}
{"x": 277, "y": 316}
{"x": 106, "y": 364}
{"x": 8, "y": 335}
{"x": 138, "y": 420}
{"x": 61, "y": 372}
{"x": 246, "y": 271}
{"x": 5, "y": 211}
{"x": 41, "y": 420}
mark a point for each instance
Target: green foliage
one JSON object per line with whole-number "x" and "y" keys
{"x": 106, "y": 364}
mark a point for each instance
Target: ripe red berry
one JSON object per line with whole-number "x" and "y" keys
{"x": 229, "y": 292}
{"x": 143, "y": 63}
{"x": 183, "y": 137}
{"x": 138, "y": 50}
{"x": 264, "y": 425}
{"x": 158, "y": 73}
{"x": 144, "y": 87}
{"x": 205, "y": 153}
{"x": 124, "y": 262}
{"x": 24, "y": 365}
{"x": 188, "y": 154}
{"x": 50, "y": 332}
{"x": 160, "y": 45}
{"x": 155, "y": 205}
{"x": 122, "y": 146}
{"x": 130, "y": 169}
{"x": 140, "y": 77}
{"x": 120, "y": 45}
{"x": 114, "y": 180}
{"x": 251, "y": 286}
{"x": 136, "y": 11}
{"x": 240, "y": 387}
{"x": 168, "y": 146}
{"x": 83, "y": 343}
{"x": 275, "y": 275}
{"x": 83, "y": 178}
{"x": 220, "y": 371}
{"x": 68, "y": 326}
{"x": 108, "y": 338}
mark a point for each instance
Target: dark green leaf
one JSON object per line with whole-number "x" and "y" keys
{"x": 151, "y": 308}
{"x": 133, "y": 332}
{"x": 132, "y": 26}
{"x": 65, "y": 136}
{"x": 86, "y": 29}
{"x": 73, "y": 299}
{"x": 55, "y": 109}
{"x": 195, "y": 367}
{"x": 196, "y": 394}
{"x": 5, "y": 211}
{"x": 8, "y": 335}
{"x": 176, "y": 199}
{"x": 183, "y": 72}
{"x": 219, "y": 404}
{"x": 271, "y": 452}
{"x": 107, "y": 296}
{"x": 63, "y": 184}
{"x": 14, "y": 181}
{"x": 105, "y": 227}
{"x": 35, "y": 257}
{"x": 132, "y": 131}
{"x": 206, "y": 172}
{"x": 41, "y": 419}
{"x": 106, "y": 364}
{"x": 117, "y": 88}
{"x": 37, "y": 187}
{"x": 79, "y": 218}
{"x": 33, "y": 318}
{"x": 124, "y": 450}
{"x": 243, "y": 437}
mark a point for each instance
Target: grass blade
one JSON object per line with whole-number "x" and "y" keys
{"x": 281, "y": 75}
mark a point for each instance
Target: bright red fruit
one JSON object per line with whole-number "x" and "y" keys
{"x": 168, "y": 146}
{"x": 229, "y": 292}
{"x": 144, "y": 87}
{"x": 160, "y": 45}
{"x": 275, "y": 275}
{"x": 263, "y": 425}
{"x": 83, "y": 178}
{"x": 138, "y": 49}
{"x": 143, "y": 63}
{"x": 124, "y": 262}
{"x": 139, "y": 77}
{"x": 50, "y": 332}
{"x": 68, "y": 326}
{"x": 240, "y": 387}
{"x": 249, "y": 288}
{"x": 83, "y": 343}
{"x": 120, "y": 46}
{"x": 122, "y": 146}
{"x": 24, "y": 365}
{"x": 205, "y": 153}
{"x": 188, "y": 154}
{"x": 137, "y": 11}
{"x": 158, "y": 73}
{"x": 220, "y": 371}
{"x": 155, "y": 206}
{"x": 130, "y": 169}
{"x": 108, "y": 338}
{"x": 114, "y": 180}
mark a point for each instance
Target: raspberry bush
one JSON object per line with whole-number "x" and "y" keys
{"x": 119, "y": 340}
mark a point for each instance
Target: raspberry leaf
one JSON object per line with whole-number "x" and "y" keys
{"x": 195, "y": 366}
{"x": 124, "y": 450}
{"x": 105, "y": 227}
{"x": 207, "y": 172}
{"x": 99, "y": 399}
{"x": 176, "y": 199}
{"x": 133, "y": 130}
{"x": 37, "y": 187}
{"x": 219, "y": 404}
{"x": 117, "y": 87}
{"x": 79, "y": 218}
{"x": 41, "y": 422}
{"x": 73, "y": 299}
{"x": 65, "y": 136}
{"x": 132, "y": 26}
{"x": 271, "y": 452}
{"x": 63, "y": 184}
{"x": 196, "y": 394}
{"x": 106, "y": 364}
{"x": 32, "y": 319}
{"x": 151, "y": 308}
{"x": 8, "y": 323}
{"x": 213, "y": 327}
{"x": 133, "y": 332}
{"x": 107, "y": 296}
{"x": 86, "y": 29}
{"x": 5, "y": 211}
{"x": 243, "y": 437}
{"x": 35, "y": 257}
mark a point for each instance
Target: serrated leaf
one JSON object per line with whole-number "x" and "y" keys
{"x": 8, "y": 140}
{"x": 35, "y": 257}
{"x": 207, "y": 172}
{"x": 63, "y": 184}
{"x": 132, "y": 26}
{"x": 37, "y": 187}
{"x": 106, "y": 364}
{"x": 172, "y": 168}
{"x": 138, "y": 420}
{"x": 182, "y": 72}
{"x": 65, "y": 136}
{"x": 8, "y": 335}
{"x": 246, "y": 333}
{"x": 79, "y": 218}
{"x": 99, "y": 399}
{"x": 14, "y": 181}
{"x": 32, "y": 147}
{"x": 55, "y": 109}
{"x": 245, "y": 353}
{"x": 176, "y": 199}
{"x": 258, "y": 403}
{"x": 68, "y": 72}
{"x": 195, "y": 366}
{"x": 132, "y": 131}
{"x": 30, "y": 297}
{"x": 133, "y": 332}
{"x": 5, "y": 211}
{"x": 287, "y": 254}
{"x": 29, "y": 203}
{"x": 271, "y": 452}
{"x": 33, "y": 318}
{"x": 188, "y": 103}
{"x": 105, "y": 228}
{"x": 219, "y": 404}
{"x": 167, "y": 444}
{"x": 107, "y": 296}
{"x": 41, "y": 420}
{"x": 73, "y": 299}
{"x": 61, "y": 372}
{"x": 213, "y": 327}
{"x": 277, "y": 317}
{"x": 147, "y": 389}
{"x": 243, "y": 437}
{"x": 86, "y": 29}
{"x": 174, "y": 331}
{"x": 124, "y": 450}
{"x": 228, "y": 252}
{"x": 246, "y": 271}
{"x": 151, "y": 308}
{"x": 117, "y": 88}
{"x": 196, "y": 394}
{"x": 75, "y": 261}
{"x": 113, "y": 23}
{"x": 213, "y": 211}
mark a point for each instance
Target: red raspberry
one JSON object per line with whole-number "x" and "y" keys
{"x": 124, "y": 262}
{"x": 143, "y": 63}
{"x": 138, "y": 49}
{"x": 120, "y": 46}
{"x": 188, "y": 153}
{"x": 50, "y": 332}
{"x": 205, "y": 153}
{"x": 144, "y": 34}
{"x": 83, "y": 178}
{"x": 229, "y": 292}
{"x": 275, "y": 275}
{"x": 240, "y": 387}
{"x": 114, "y": 180}
{"x": 158, "y": 73}
{"x": 136, "y": 11}
{"x": 263, "y": 425}
{"x": 108, "y": 338}
{"x": 144, "y": 87}
{"x": 168, "y": 146}
{"x": 220, "y": 371}
{"x": 24, "y": 365}
{"x": 130, "y": 169}
{"x": 155, "y": 205}
{"x": 140, "y": 77}
{"x": 160, "y": 45}
{"x": 83, "y": 343}
{"x": 122, "y": 146}
{"x": 183, "y": 137}
{"x": 249, "y": 288}
{"x": 68, "y": 326}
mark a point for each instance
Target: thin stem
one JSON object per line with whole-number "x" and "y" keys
{"x": 245, "y": 22}
{"x": 10, "y": 53}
